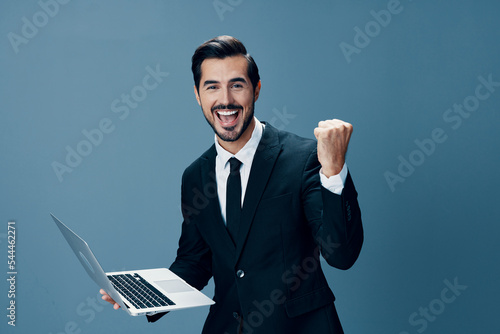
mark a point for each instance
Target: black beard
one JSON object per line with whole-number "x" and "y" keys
{"x": 235, "y": 137}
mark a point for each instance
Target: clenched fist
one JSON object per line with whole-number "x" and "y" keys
{"x": 333, "y": 138}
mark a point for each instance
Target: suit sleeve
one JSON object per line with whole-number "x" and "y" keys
{"x": 335, "y": 220}
{"x": 194, "y": 258}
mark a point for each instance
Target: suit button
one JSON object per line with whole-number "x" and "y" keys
{"x": 236, "y": 315}
{"x": 240, "y": 273}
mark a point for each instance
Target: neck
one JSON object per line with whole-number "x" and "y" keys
{"x": 235, "y": 146}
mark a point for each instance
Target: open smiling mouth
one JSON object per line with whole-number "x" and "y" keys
{"x": 228, "y": 118}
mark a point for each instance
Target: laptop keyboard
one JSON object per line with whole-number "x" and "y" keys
{"x": 138, "y": 291}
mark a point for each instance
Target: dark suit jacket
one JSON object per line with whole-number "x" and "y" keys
{"x": 271, "y": 281}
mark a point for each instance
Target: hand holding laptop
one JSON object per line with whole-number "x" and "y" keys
{"x": 110, "y": 300}
{"x": 137, "y": 292}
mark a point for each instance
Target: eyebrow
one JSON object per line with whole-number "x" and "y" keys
{"x": 238, "y": 79}
{"x": 211, "y": 82}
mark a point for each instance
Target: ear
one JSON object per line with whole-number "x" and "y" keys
{"x": 197, "y": 95}
{"x": 257, "y": 92}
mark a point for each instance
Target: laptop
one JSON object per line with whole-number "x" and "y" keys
{"x": 138, "y": 292}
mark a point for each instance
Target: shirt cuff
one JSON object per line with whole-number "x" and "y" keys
{"x": 334, "y": 183}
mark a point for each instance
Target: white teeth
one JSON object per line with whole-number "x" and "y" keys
{"x": 227, "y": 113}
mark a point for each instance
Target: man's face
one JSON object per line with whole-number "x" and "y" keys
{"x": 227, "y": 97}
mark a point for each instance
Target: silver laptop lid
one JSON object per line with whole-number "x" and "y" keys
{"x": 88, "y": 260}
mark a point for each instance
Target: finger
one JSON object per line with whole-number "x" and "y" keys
{"x": 317, "y": 131}
{"x": 107, "y": 298}
{"x": 348, "y": 126}
{"x": 320, "y": 133}
{"x": 323, "y": 124}
{"x": 329, "y": 123}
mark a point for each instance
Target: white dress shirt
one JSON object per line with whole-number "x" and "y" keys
{"x": 334, "y": 183}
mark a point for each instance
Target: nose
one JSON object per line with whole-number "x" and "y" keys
{"x": 226, "y": 96}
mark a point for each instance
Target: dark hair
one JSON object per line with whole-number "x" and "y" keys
{"x": 222, "y": 47}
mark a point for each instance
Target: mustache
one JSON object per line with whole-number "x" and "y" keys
{"x": 228, "y": 106}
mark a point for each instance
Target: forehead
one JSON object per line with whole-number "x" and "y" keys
{"x": 226, "y": 68}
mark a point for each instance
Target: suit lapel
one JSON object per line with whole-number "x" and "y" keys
{"x": 217, "y": 226}
{"x": 262, "y": 166}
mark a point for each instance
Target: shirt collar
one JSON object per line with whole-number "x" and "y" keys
{"x": 247, "y": 152}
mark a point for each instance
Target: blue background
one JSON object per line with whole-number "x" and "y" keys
{"x": 441, "y": 223}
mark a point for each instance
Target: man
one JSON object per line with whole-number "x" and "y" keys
{"x": 282, "y": 202}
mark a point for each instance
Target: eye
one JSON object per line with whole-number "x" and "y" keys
{"x": 237, "y": 85}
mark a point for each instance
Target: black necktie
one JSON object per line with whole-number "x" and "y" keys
{"x": 233, "y": 198}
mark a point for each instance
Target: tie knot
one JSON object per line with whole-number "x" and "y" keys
{"x": 234, "y": 165}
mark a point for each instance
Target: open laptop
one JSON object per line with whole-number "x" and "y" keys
{"x": 138, "y": 292}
